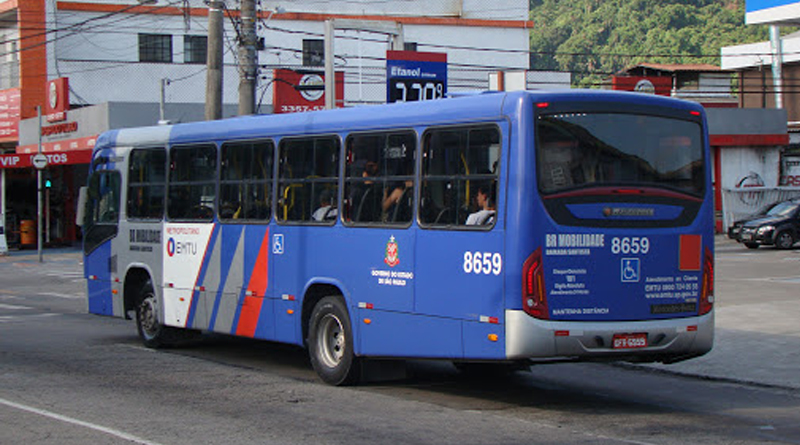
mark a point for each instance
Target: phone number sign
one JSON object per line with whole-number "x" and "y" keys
{"x": 414, "y": 76}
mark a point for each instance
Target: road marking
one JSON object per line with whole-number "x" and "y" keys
{"x": 14, "y": 307}
{"x": 62, "y": 418}
{"x": 57, "y": 295}
{"x": 12, "y": 318}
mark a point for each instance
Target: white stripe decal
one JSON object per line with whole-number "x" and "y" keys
{"x": 103, "y": 429}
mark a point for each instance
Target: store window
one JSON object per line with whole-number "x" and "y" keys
{"x": 313, "y": 52}
{"x": 156, "y": 48}
{"x": 195, "y": 49}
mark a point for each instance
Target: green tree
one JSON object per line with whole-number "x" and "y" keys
{"x": 593, "y": 39}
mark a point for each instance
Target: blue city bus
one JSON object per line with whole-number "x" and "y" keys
{"x": 496, "y": 228}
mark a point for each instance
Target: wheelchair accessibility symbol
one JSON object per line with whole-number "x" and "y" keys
{"x": 630, "y": 270}
{"x": 277, "y": 244}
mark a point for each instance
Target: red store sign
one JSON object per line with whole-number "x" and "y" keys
{"x": 299, "y": 91}
{"x": 9, "y": 113}
{"x": 21, "y": 160}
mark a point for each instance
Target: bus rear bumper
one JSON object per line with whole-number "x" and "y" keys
{"x": 668, "y": 341}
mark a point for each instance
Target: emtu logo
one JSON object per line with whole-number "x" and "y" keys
{"x": 180, "y": 248}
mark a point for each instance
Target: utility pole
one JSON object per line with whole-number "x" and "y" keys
{"x": 214, "y": 61}
{"x": 777, "y": 64}
{"x": 248, "y": 59}
{"x": 395, "y": 30}
{"x": 330, "y": 73}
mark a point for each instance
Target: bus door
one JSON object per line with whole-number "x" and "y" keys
{"x": 100, "y": 228}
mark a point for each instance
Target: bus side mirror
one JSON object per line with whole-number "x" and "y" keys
{"x": 80, "y": 213}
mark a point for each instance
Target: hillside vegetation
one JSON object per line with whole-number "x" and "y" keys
{"x": 596, "y": 38}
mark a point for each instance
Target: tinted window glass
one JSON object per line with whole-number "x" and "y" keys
{"x": 308, "y": 179}
{"x": 192, "y": 181}
{"x": 460, "y": 167}
{"x": 593, "y": 149}
{"x": 380, "y": 178}
{"x": 147, "y": 183}
{"x": 102, "y": 209}
{"x": 246, "y": 181}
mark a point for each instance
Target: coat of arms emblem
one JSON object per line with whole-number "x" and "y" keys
{"x": 391, "y": 258}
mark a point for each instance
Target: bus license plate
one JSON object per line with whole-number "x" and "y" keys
{"x": 630, "y": 341}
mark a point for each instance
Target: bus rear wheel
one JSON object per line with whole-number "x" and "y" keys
{"x": 330, "y": 343}
{"x": 151, "y": 331}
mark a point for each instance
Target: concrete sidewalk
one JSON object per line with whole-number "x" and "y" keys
{"x": 757, "y": 314}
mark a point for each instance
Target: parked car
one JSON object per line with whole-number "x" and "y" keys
{"x": 736, "y": 227}
{"x": 779, "y": 227}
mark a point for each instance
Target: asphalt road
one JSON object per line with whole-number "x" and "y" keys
{"x": 67, "y": 377}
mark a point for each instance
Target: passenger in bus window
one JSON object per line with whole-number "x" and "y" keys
{"x": 484, "y": 196}
{"x": 401, "y": 191}
{"x": 327, "y": 210}
{"x": 366, "y": 196}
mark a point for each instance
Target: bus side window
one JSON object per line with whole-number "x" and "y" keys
{"x": 379, "y": 187}
{"x": 192, "y": 182}
{"x": 460, "y": 169}
{"x": 308, "y": 172}
{"x": 146, "y": 183}
{"x": 246, "y": 181}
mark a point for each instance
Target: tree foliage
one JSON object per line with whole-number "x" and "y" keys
{"x": 595, "y": 38}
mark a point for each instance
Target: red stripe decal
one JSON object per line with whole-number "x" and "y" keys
{"x": 257, "y": 288}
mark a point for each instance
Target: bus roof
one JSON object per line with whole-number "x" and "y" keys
{"x": 486, "y": 106}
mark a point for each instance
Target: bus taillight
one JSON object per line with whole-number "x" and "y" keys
{"x": 534, "y": 296}
{"x": 707, "y": 294}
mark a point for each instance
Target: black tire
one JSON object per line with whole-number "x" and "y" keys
{"x": 330, "y": 343}
{"x": 751, "y": 245}
{"x": 151, "y": 331}
{"x": 784, "y": 240}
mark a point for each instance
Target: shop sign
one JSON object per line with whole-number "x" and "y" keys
{"x": 21, "y": 160}
{"x": 413, "y": 76}
{"x": 9, "y": 113}
{"x": 303, "y": 90}
{"x": 77, "y": 144}
{"x": 57, "y": 103}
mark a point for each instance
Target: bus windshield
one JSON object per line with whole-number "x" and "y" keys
{"x": 580, "y": 150}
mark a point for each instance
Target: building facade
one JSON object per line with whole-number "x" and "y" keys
{"x": 124, "y": 63}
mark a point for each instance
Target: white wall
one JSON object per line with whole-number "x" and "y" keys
{"x": 101, "y": 59}
{"x": 739, "y": 163}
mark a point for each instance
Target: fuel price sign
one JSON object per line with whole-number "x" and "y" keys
{"x": 415, "y": 76}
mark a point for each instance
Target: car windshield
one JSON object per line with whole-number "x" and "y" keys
{"x": 783, "y": 209}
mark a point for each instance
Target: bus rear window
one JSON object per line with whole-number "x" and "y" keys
{"x": 579, "y": 150}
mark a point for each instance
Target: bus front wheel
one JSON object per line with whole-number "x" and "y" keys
{"x": 151, "y": 331}
{"x": 330, "y": 343}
